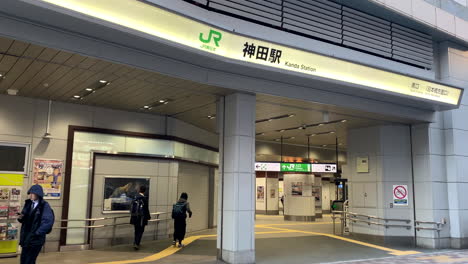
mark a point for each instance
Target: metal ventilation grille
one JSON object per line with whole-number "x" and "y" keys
{"x": 412, "y": 46}
{"x": 266, "y": 11}
{"x": 366, "y": 32}
{"x": 334, "y": 23}
{"x": 319, "y": 18}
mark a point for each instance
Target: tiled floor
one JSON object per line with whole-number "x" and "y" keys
{"x": 277, "y": 242}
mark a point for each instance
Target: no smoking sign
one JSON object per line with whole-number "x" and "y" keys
{"x": 400, "y": 195}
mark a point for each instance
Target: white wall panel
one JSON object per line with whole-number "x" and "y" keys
{"x": 194, "y": 180}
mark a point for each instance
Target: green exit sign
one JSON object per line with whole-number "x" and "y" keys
{"x": 295, "y": 167}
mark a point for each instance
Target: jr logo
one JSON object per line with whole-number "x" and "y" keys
{"x": 215, "y": 35}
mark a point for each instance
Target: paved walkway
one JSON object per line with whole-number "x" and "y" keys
{"x": 277, "y": 242}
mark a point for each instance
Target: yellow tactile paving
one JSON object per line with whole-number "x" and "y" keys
{"x": 391, "y": 251}
{"x": 445, "y": 259}
{"x": 172, "y": 250}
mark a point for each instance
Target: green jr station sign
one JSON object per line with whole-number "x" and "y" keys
{"x": 295, "y": 167}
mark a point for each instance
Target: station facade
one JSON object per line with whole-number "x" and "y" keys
{"x": 225, "y": 99}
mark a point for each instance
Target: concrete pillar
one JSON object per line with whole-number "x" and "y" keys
{"x": 236, "y": 237}
{"x": 430, "y": 182}
{"x": 454, "y": 69}
{"x": 299, "y": 204}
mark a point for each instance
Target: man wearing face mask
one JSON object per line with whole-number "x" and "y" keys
{"x": 37, "y": 219}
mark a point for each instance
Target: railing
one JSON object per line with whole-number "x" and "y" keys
{"x": 90, "y": 224}
{"x": 357, "y": 218}
{"x": 434, "y": 226}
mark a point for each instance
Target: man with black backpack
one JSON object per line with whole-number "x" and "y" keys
{"x": 37, "y": 219}
{"x": 179, "y": 214}
{"x": 140, "y": 215}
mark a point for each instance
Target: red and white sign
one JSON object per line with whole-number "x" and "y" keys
{"x": 400, "y": 195}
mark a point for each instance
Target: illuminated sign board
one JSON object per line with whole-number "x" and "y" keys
{"x": 324, "y": 168}
{"x": 164, "y": 24}
{"x": 267, "y": 166}
{"x": 295, "y": 167}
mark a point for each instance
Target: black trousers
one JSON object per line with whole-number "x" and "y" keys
{"x": 29, "y": 254}
{"x": 180, "y": 226}
{"x": 139, "y": 230}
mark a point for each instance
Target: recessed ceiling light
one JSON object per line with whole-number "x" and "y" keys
{"x": 292, "y": 137}
{"x": 162, "y": 101}
{"x": 344, "y": 120}
{"x": 277, "y": 139}
{"x": 102, "y": 81}
{"x": 282, "y": 130}
{"x": 89, "y": 89}
{"x": 324, "y": 145}
{"x": 332, "y": 132}
{"x": 146, "y": 107}
{"x": 211, "y": 116}
{"x": 313, "y": 135}
{"x": 269, "y": 120}
{"x": 76, "y": 96}
{"x": 320, "y": 124}
{"x": 292, "y": 115}
{"x": 166, "y": 102}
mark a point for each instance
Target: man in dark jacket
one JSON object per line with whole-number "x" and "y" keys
{"x": 179, "y": 214}
{"x": 140, "y": 215}
{"x": 37, "y": 219}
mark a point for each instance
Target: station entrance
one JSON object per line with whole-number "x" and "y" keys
{"x": 308, "y": 160}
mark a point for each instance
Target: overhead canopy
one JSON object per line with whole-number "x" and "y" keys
{"x": 163, "y": 24}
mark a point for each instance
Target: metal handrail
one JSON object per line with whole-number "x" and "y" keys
{"x": 114, "y": 225}
{"x": 377, "y": 223}
{"x": 353, "y": 217}
{"x": 103, "y": 218}
{"x": 428, "y": 222}
{"x": 438, "y": 228}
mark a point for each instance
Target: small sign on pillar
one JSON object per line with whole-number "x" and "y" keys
{"x": 400, "y": 195}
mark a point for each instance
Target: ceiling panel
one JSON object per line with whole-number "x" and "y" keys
{"x": 58, "y": 75}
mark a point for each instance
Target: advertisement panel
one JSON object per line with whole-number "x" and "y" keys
{"x": 49, "y": 174}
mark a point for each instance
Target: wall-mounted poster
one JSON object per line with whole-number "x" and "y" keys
{"x": 272, "y": 193}
{"x": 120, "y": 191}
{"x": 260, "y": 192}
{"x": 307, "y": 189}
{"x": 296, "y": 188}
{"x": 317, "y": 193}
{"x": 49, "y": 174}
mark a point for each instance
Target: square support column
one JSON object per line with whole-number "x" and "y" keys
{"x": 236, "y": 224}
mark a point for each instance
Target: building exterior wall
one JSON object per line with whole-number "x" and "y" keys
{"x": 24, "y": 120}
{"x": 388, "y": 149}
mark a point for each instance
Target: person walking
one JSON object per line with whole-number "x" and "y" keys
{"x": 179, "y": 214}
{"x": 140, "y": 215}
{"x": 37, "y": 219}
